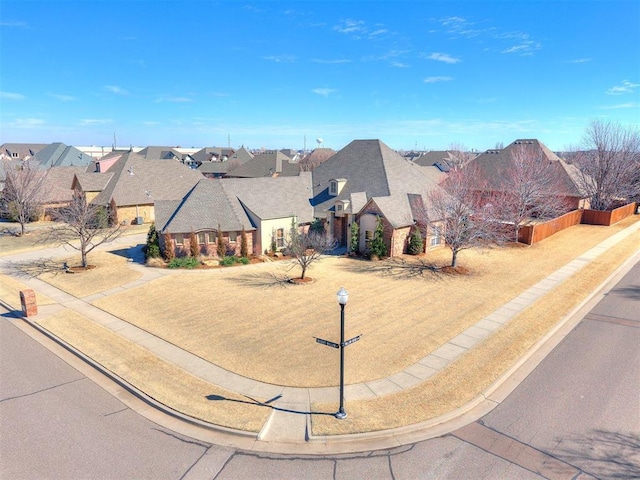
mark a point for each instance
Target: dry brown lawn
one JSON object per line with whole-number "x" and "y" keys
{"x": 111, "y": 270}
{"x": 10, "y": 292}
{"x": 475, "y": 371}
{"x": 163, "y": 381}
{"x": 244, "y": 320}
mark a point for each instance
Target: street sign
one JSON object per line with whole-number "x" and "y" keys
{"x": 351, "y": 340}
{"x": 328, "y": 343}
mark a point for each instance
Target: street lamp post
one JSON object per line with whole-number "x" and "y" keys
{"x": 343, "y": 297}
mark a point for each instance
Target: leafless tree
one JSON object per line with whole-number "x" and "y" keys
{"x": 609, "y": 163}
{"x": 23, "y": 193}
{"x": 84, "y": 226}
{"x": 461, "y": 155}
{"x": 529, "y": 189}
{"x": 307, "y": 247}
{"x": 466, "y": 222}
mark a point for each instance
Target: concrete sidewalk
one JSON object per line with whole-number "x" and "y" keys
{"x": 288, "y": 427}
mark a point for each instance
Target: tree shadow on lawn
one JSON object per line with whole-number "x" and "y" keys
{"x": 263, "y": 280}
{"x": 399, "y": 268}
{"x": 35, "y": 268}
{"x": 253, "y": 401}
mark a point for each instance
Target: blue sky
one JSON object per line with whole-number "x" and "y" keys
{"x": 270, "y": 73}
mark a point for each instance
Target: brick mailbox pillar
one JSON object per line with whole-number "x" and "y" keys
{"x": 28, "y": 302}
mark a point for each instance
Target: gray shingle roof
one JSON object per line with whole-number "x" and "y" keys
{"x": 266, "y": 165}
{"x": 493, "y": 165}
{"x": 225, "y": 202}
{"x": 58, "y": 183}
{"x": 21, "y": 151}
{"x": 372, "y": 168}
{"x": 61, "y": 155}
{"x": 137, "y": 181}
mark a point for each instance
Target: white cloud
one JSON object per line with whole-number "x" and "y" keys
{"x": 443, "y": 57}
{"x": 625, "y": 87}
{"x": 525, "y": 48}
{"x": 325, "y": 92}
{"x": 622, "y": 105}
{"x": 281, "y": 58}
{"x": 12, "y": 96}
{"x": 399, "y": 65}
{"x": 115, "y": 89}
{"x": 330, "y": 62}
{"x": 437, "y": 79}
{"x": 28, "y": 122}
{"x": 174, "y": 99}
{"x": 95, "y": 121}
{"x": 580, "y": 60}
{"x": 13, "y": 24}
{"x": 350, "y": 27}
{"x": 62, "y": 97}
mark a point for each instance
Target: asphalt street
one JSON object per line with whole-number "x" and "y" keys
{"x": 576, "y": 415}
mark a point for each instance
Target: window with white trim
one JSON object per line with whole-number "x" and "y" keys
{"x": 333, "y": 187}
{"x": 436, "y": 236}
{"x": 179, "y": 239}
{"x": 233, "y": 237}
{"x": 280, "y": 238}
{"x": 202, "y": 238}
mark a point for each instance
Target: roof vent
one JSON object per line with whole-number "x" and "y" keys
{"x": 130, "y": 170}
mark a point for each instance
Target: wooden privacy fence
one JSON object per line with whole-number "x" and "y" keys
{"x": 608, "y": 217}
{"x": 531, "y": 234}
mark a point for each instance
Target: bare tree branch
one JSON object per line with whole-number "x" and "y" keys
{"x": 466, "y": 222}
{"x": 84, "y": 226}
{"x": 23, "y": 192}
{"x": 609, "y": 164}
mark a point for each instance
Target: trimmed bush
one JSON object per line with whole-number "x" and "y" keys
{"x": 184, "y": 262}
{"x": 415, "y": 243}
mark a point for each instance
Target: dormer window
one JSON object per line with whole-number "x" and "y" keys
{"x": 339, "y": 207}
{"x": 336, "y": 185}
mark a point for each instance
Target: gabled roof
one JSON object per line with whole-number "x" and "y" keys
{"x": 226, "y": 202}
{"x": 493, "y": 165}
{"x": 371, "y": 167}
{"x": 137, "y": 181}
{"x": 315, "y": 158}
{"x": 209, "y": 154}
{"x": 20, "y": 151}
{"x": 60, "y": 155}
{"x": 160, "y": 153}
{"x": 92, "y": 182}
{"x": 273, "y": 164}
{"x": 59, "y": 182}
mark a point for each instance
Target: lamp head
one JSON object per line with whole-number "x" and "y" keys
{"x": 343, "y": 296}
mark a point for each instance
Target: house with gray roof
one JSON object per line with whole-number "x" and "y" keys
{"x": 264, "y": 208}
{"x": 132, "y": 184}
{"x": 367, "y": 180}
{"x": 20, "y": 151}
{"x": 217, "y": 162}
{"x": 271, "y": 164}
{"x": 60, "y": 155}
{"x": 493, "y": 166}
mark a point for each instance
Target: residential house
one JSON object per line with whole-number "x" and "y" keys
{"x": 132, "y": 184}
{"x": 493, "y": 165}
{"x": 271, "y": 164}
{"x": 367, "y": 180}
{"x": 264, "y": 207}
{"x": 315, "y": 158}
{"x": 216, "y": 162}
{"x": 60, "y": 155}
{"x": 20, "y": 151}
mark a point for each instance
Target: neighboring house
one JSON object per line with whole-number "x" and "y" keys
{"x": 217, "y": 163}
{"x": 366, "y": 180}
{"x": 493, "y": 165}
{"x": 443, "y": 160}
{"x": 315, "y": 158}
{"x": 20, "y": 151}
{"x": 58, "y": 187}
{"x": 160, "y": 153}
{"x": 61, "y": 155}
{"x": 264, "y": 207}
{"x": 132, "y": 184}
{"x": 271, "y": 164}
